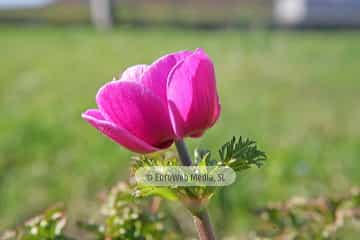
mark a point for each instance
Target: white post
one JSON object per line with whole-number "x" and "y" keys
{"x": 102, "y": 13}
{"x": 289, "y": 12}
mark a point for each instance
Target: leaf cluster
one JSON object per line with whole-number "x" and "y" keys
{"x": 125, "y": 217}
{"x": 241, "y": 154}
{"x": 309, "y": 218}
{"x": 192, "y": 196}
{"x": 47, "y": 226}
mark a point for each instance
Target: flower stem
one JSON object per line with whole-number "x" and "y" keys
{"x": 155, "y": 204}
{"x": 183, "y": 152}
{"x": 203, "y": 225}
{"x": 201, "y": 216}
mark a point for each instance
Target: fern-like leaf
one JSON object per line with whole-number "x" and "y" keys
{"x": 241, "y": 154}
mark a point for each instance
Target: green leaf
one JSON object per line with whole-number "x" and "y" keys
{"x": 203, "y": 158}
{"x": 147, "y": 191}
{"x": 241, "y": 154}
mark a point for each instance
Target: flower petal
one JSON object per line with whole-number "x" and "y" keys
{"x": 117, "y": 134}
{"x": 155, "y": 76}
{"x": 192, "y": 96}
{"x": 133, "y": 107}
{"x": 134, "y": 73}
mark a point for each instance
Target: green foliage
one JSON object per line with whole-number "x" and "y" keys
{"x": 192, "y": 197}
{"x": 125, "y": 217}
{"x": 238, "y": 154}
{"x": 241, "y": 154}
{"x": 203, "y": 157}
{"x": 47, "y": 226}
{"x": 166, "y": 158}
{"x": 163, "y": 158}
{"x": 301, "y": 218}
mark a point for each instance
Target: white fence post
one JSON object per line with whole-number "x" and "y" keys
{"x": 321, "y": 13}
{"x": 289, "y": 12}
{"x": 102, "y": 13}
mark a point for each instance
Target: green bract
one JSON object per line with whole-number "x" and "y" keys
{"x": 239, "y": 154}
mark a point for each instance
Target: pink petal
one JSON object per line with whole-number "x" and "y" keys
{"x": 117, "y": 134}
{"x": 133, "y": 107}
{"x": 192, "y": 96}
{"x": 155, "y": 76}
{"x": 134, "y": 73}
{"x": 217, "y": 111}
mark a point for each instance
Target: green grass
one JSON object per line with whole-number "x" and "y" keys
{"x": 296, "y": 93}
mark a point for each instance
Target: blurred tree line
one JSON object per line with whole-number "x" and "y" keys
{"x": 105, "y": 13}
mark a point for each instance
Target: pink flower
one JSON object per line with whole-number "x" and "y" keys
{"x": 150, "y": 106}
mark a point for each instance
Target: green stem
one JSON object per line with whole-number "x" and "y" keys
{"x": 201, "y": 217}
{"x": 203, "y": 225}
{"x": 183, "y": 152}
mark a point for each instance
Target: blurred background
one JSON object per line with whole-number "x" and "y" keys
{"x": 287, "y": 75}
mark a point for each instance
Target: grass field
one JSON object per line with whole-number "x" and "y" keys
{"x": 296, "y": 93}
